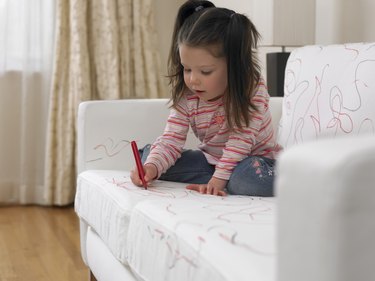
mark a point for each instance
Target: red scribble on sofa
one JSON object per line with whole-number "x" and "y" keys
{"x": 110, "y": 148}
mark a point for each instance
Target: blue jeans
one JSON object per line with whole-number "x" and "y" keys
{"x": 253, "y": 176}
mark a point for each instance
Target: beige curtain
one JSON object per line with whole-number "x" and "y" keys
{"x": 105, "y": 49}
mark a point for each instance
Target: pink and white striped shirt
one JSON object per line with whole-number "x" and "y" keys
{"x": 222, "y": 147}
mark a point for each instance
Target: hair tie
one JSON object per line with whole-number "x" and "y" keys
{"x": 200, "y": 7}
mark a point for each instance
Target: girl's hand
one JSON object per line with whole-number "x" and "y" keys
{"x": 214, "y": 187}
{"x": 150, "y": 174}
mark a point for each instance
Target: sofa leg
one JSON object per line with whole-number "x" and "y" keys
{"x": 92, "y": 277}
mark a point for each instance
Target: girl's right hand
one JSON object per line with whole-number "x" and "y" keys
{"x": 150, "y": 174}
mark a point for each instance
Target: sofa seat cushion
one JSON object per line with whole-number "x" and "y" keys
{"x": 204, "y": 233}
{"x": 203, "y": 237}
{"x": 105, "y": 200}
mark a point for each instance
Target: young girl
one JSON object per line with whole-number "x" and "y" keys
{"x": 217, "y": 91}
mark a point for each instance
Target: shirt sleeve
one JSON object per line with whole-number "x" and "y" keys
{"x": 168, "y": 147}
{"x": 241, "y": 141}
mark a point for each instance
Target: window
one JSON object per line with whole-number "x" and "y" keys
{"x": 24, "y": 27}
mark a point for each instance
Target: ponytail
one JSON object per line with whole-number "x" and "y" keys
{"x": 243, "y": 68}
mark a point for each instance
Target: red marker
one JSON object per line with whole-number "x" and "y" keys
{"x": 141, "y": 172}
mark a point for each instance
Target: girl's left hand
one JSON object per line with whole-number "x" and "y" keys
{"x": 214, "y": 187}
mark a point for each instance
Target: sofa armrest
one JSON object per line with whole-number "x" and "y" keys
{"x": 326, "y": 201}
{"x": 105, "y": 129}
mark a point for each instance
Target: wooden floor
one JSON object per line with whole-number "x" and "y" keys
{"x": 40, "y": 244}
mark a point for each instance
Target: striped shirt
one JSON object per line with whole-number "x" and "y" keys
{"x": 222, "y": 147}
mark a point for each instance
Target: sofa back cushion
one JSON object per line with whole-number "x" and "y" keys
{"x": 328, "y": 91}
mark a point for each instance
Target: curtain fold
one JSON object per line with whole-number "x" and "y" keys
{"x": 105, "y": 49}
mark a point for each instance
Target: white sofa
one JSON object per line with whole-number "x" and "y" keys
{"x": 319, "y": 227}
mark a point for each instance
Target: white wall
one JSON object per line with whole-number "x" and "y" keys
{"x": 343, "y": 21}
{"x": 336, "y": 21}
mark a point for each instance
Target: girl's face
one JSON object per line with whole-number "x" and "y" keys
{"x": 204, "y": 74}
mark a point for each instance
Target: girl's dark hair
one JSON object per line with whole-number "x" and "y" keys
{"x": 201, "y": 24}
